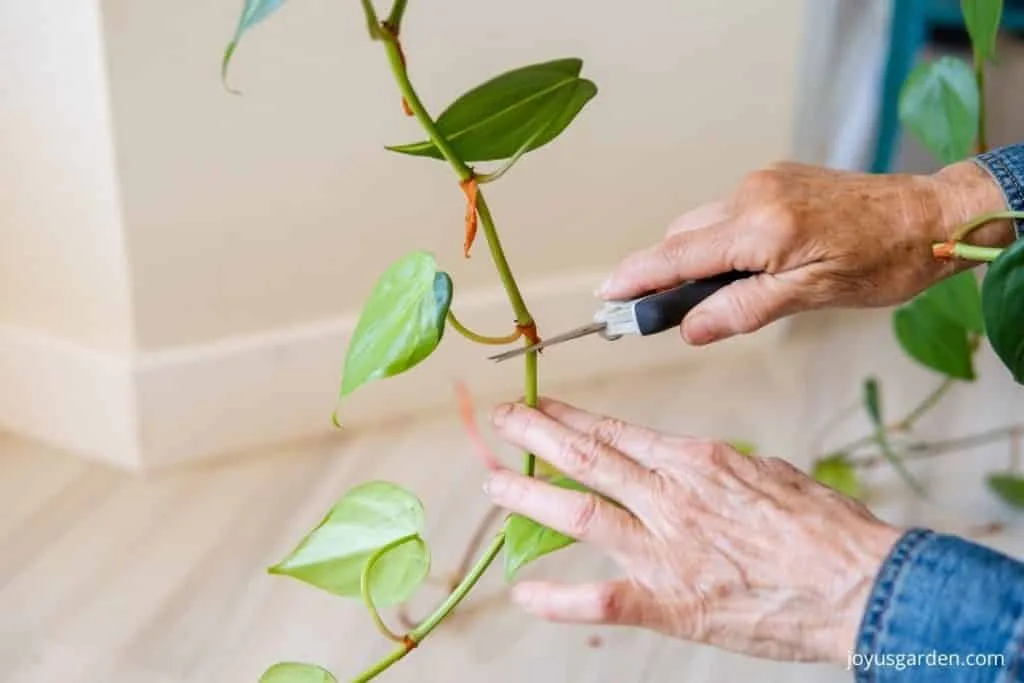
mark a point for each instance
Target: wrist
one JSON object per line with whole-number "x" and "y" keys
{"x": 964, "y": 191}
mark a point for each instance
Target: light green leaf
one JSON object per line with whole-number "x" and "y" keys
{"x": 525, "y": 108}
{"x": 837, "y": 473}
{"x": 958, "y": 298}
{"x": 1002, "y": 300}
{"x": 253, "y": 12}
{"x": 939, "y": 105}
{"x": 296, "y": 672}
{"x": 873, "y": 405}
{"x": 928, "y": 336}
{"x": 366, "y": 519}
{"x": 744, "y": 447}
{"x": 526, "y": 540}
{"x": 982, "y": 18}
{"x": 401, "y": 324}
{"x": 1009, "y": 487}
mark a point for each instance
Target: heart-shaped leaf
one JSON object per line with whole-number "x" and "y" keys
{"x": 368, "y": 518}
{"x": 939, "y": 105}
{"x": 402, "y": 322}
{"x": 526, "y": 540}
{"x": 982, "y": 18}
{"x": 836, "y": 472}
{"x": 931, "y": 338}
{"x": 1002, "y": 298}
{"x": 253, "y": 12}
{"x": 297, "y": 672}
{"x": 959, "y": 299}
{"x": 1009, "y": 487}
{"x": 522, "y": 109}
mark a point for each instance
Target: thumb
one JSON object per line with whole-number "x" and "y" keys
{"x": 741, "y": 307}
{"x": 686, "y": 255}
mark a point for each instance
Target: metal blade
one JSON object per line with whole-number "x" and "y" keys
{"x": 592, "y": 328}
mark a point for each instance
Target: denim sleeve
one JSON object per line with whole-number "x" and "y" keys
{"x": 1006, "y": 165}
{"x": 942, "y": 609}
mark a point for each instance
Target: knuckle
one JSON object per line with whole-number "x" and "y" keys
{"x": 608, "y": 605}
{"x": 707, "y": 451}
{"x": 584, "y": 516}
{"x": 609, "y": 430}
{"x": 580, "y": 454}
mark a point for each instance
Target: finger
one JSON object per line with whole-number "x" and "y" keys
{"x": 619, "y": 603}
{"x": 634, "y": 441}
{"x": 582, "y": 515}
{"x": 688, "y": 255}
{"x": 742, "y": 307}
{"x": 580, "y": 455}
{"x": 700, "y": 217}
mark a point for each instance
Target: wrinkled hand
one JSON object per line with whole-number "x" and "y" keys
{"x": 820, "y": 237}
{"x": 743, "y": 553}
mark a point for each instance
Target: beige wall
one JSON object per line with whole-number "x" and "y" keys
{"x": 280, "y": 207}
{"x": 62, "y": 261}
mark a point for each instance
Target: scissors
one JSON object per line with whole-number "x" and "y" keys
{"x": 645, "y": 315}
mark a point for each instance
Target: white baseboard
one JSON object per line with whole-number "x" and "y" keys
{"x": 170, "y": 407}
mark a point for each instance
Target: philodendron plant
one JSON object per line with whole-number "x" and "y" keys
{"x": 370, "y": 545}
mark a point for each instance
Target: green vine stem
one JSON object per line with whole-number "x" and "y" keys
{"x": 480, "y": 338}
{"x": 418, "y": 634}
{"x": 364, "y": 585}
{"x": 967, "y": 228}
{"x": 979, "y": 77}
{"x": 967, "y": 252}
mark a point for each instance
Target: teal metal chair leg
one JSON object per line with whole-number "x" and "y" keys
{"x": 906, "y": 37}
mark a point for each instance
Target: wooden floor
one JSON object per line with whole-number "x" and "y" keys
{"x": 107, "y": 577}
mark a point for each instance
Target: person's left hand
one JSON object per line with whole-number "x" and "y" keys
{"x": 747, "y": 554}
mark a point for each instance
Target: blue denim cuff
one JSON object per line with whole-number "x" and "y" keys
{"x": 1006, "y": 166}
{"x": 942, "y": 609}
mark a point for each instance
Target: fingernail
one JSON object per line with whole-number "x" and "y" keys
{"x": 603, "y": 288}
{"x": 500, "y": 414}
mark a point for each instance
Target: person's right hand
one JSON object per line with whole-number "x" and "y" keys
{"x": 818, "y": 238}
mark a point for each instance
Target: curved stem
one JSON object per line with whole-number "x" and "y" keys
{"x": 480, "y": 338}
{"x": 417, "y": 635}
{"x": 364, "y": 585}
{"x": 967, "y": 228}
{"x": 927, "y": 404}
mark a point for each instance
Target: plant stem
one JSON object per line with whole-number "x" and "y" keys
{"x": 394, "y": 20}
{"x": 927, "y": 404}
{"x": 979, "y": 77}
{"x": 924, "y": 450}
{"x": 480, "y": 338}
{"x": 418, "y": 634}
{"x": 969, "y": 252}
{"x": 966, "y": 229}
{"x": 364, "y": 585}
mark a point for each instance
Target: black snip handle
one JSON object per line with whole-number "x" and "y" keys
{"x": 663, "y": 310}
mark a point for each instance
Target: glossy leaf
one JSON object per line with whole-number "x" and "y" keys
{"x": 526, "y": 540}
{"x": 837, "y": 473}
{"x": 872, "y": 398}
{"x": 401, "y": 324}
{"x": 982, "y": 18}
{"x": 939, "y": 105}
{"x": 1009, "y": 487}
{"x": 1002, "y": 295}
{"x": 366, "y": 519}
{"x": 928, "y": 336}
{"x": 959, "y": 299}
{"x": 253, "y": 12}
{"x": 522, "y": 109}
{"x": 297, "y": 672}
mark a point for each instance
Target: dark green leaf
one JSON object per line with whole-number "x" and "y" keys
{"x": 524, "y": 108}
{"x": 836, "y": 472}
{"x": 296, "y": 672}
{"x": 1002, "y": 295}
{"x": 1009, "y": 487}
{"x": 939, "y": 105}
{"x": 366, "y": 519}
{"x": 959, "y": 299}
{"x": 526, "y": 540}
{"x": 401, "y": 324}
{"x": 873, "y": 406}
{"x": 982, "y": 18}
{"x": 928, "y": 336}
{"x": 253, "y": 12}
{"x": 873, "y": 402}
